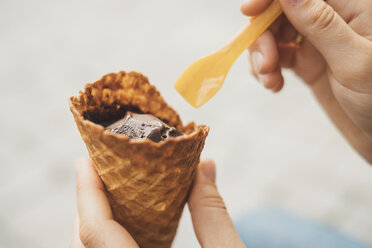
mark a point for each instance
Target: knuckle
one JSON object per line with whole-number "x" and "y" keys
{"x": 88, "y": 232}
{"x": 214, "y": 201}
{"x": 321, "y": 18}
{"x": 208, "y": 198}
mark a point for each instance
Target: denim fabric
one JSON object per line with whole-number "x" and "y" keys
{"x": 273, "y": 228}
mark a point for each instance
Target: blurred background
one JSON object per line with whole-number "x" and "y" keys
{"x": 272, "y": 150}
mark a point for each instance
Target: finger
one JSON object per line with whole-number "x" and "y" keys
{"x": 253, "y": 72}
{"x": 254, "y": 7}
{"x": 350, "y": 10}
{"x": 326, "y": 30}
{"x": 264, "y": 53}
{"x": 75, "y": 241}
{"x": 286, "y": 48}
{"x": 272, "y": 80}
{"x": 356, "y": 13}
{"x": 91, "y": 197}
{"x": 97, "y": 227}
{"x": 307, "y": 56}
{"x": 275, "y": 27}
{"x": 287, "y": 33}
{"x": 279, "y": 85}
{"x": 212, "y": 224}
{"x": 287, "y": 55}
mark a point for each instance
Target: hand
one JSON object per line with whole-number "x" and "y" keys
{"x": 212, "y": 224}
{"x": 95, "y": 227}
{"x": 334, "y": 59}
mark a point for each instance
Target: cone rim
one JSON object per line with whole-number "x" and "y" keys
{"x": 123, "y": 138}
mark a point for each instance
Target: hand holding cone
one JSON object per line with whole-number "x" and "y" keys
{"x": 147, "y": 183}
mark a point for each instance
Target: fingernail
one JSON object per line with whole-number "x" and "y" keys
{"x": 257, "y": 59}
{"x": 209, "y": 170}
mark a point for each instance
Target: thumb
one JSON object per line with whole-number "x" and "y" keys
{"x": 212, "y": 224}
{"x": 323, "y": 27}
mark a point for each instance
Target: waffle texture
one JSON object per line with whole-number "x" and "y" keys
{"x": 147, "y": 182}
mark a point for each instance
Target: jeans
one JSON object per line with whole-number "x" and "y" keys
{"x": 272, "y": 228}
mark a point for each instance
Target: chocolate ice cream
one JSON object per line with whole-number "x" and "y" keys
{"x": 143, "y": 126}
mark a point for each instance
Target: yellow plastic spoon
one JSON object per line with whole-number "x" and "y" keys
{"x": 202, "y": 79}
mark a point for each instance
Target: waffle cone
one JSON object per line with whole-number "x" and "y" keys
{"x": 147, "y": 183}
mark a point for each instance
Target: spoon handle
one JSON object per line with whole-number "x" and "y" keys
{"x": 253, "y": 30}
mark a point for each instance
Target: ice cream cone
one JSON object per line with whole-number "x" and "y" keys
{"x": 147, "y": 182}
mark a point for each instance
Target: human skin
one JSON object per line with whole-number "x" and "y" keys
{"x": 94, "y": 226}
{"x": 334, "y": 59}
